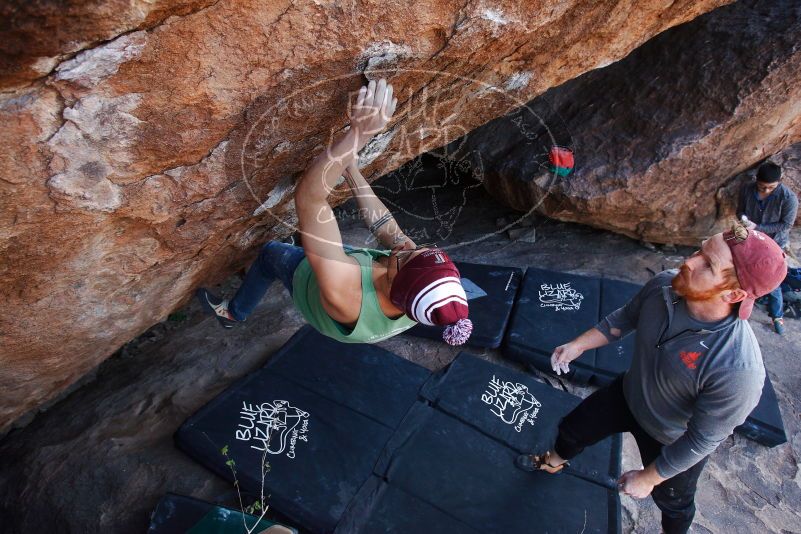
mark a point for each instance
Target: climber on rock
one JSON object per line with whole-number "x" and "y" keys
{"x": 696, "y": 374}
{"x": 353, "y": 295}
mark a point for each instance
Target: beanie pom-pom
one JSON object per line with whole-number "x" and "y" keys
{"x": 458, "y": 332}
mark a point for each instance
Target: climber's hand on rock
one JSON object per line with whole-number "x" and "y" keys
{"x": 374, "y": 108}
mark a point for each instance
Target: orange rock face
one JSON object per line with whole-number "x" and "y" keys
{"x": 663, "y": 138}
{"x": 149, "y": 147}
{"x": 36, "y": 36}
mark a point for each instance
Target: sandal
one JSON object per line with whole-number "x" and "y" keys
{"x": 533, "y": 462}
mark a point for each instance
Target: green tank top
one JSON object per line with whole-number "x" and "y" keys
{"x": 372, "y": 325}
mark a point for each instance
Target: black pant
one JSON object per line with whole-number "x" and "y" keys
{"x": 604, "y": 413}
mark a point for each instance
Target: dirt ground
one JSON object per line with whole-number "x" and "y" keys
{"x": 100, "y": 458}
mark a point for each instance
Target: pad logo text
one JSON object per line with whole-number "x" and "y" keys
{"x": 275, "y": 427}
{"x": 560, "y": 297}
{"x": 512, "y": 402}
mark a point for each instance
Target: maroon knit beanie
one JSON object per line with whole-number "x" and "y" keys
{"x": 428, "y": 288}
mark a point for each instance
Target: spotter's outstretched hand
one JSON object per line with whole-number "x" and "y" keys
{"x": 562, "y": 356}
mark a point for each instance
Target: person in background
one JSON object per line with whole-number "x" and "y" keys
{"x": 349, "y": 294}
{"x": 770, "y": 206}
{"x": 696, "y": 373}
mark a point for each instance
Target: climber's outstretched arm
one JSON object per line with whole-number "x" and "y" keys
{"x": 375, "y": 214}
{"x": 321, "y": 238}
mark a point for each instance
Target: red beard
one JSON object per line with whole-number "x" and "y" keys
{"x": 682, "y": 287}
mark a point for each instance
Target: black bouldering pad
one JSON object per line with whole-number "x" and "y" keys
{"x": 450, "y": 465}
{"x": 364, "y": 441}
{"x": 614, "y": 359}
{"x": 465, "y": 443}
{"x": 469, "y": 475}
{"x": 381, "y": 508}
{"x": 177, "y": 514}
{"x": 515, "y": 409}
{"x": 491, "y": 292}
{"x": 765, "y": 424}
{"x": 323, "y": 410}
{"x": 553, "y": 308}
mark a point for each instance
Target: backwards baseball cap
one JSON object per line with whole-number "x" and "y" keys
{"x": 759, "y": 262}
{"x": 429, "y": 289}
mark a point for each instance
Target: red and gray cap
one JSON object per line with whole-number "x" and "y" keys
{"x": 429, "y": 289}
{"x": 759, "y": 262}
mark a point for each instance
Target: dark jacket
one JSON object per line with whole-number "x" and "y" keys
{"x": 774, "y": 215}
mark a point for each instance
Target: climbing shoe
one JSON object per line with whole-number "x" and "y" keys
{"x": 778, "y": 325}
{"x": 216, "y": 307}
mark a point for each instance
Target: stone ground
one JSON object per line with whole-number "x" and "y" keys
{"x": 100, "y": 458}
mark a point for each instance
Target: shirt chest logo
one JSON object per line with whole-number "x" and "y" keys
{"x": 689, "y": 359}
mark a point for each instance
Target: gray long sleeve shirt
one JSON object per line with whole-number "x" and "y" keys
{"x": 690, "y": 383}
{"x": 774, "y": 215}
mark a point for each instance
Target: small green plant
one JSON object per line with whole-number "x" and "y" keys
{"x": 253, "y": 508}
{"x": 258, "y": 507}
